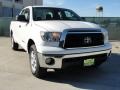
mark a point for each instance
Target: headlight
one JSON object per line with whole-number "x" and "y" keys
{"x": 105, "y": 32}
{"x": 50, "y": 36}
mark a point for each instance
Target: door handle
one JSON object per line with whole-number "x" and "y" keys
{"x": 19, "y": 26}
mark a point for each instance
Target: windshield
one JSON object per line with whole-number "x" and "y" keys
{"x": 42, "y": 13}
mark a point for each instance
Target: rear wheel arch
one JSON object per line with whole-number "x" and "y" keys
{"x": 14, "y": 45}
{"x": 11, "y": 33}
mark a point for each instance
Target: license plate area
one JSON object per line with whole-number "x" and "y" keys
{"x": 89, "y": 62}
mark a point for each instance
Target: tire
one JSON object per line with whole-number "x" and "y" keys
{"x": 36, "y": 70}
{"x": 14, "y": 44}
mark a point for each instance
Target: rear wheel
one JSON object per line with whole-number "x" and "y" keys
{"x": 36, "y": 70}
{"x": 14, "y": 44}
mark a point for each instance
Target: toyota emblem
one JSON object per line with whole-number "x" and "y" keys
{"x": 87, "y": 40}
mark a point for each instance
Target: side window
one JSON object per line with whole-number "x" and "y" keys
{"x": 26, "y": 13}
{"x": 22, "y": 13}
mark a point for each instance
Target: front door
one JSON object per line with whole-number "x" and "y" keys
{"x": 24, "y": 28}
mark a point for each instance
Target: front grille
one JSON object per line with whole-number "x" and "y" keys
{"x": 74, "y": 40}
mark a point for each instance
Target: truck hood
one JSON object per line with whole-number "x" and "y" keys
{"x": 59, "y": 26}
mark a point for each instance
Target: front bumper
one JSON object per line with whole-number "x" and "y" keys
{"x": 59, "y": 54}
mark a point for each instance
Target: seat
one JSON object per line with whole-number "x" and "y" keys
{"x": 48, "y": 17}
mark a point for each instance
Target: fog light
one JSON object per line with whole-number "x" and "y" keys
{"x": 49, "y": 61}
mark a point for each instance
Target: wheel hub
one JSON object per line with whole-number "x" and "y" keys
{"x": 33, "y": 61}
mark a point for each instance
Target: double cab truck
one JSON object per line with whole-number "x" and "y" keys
{"x": 56, "y": 38}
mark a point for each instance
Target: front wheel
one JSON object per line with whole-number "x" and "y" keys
{"x": 36, "y": 70}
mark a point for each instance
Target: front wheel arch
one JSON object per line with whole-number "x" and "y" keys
{"x": 36, "y": 70}
{"x": 30, "y": 42}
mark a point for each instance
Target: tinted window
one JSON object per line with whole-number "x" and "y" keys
{"x": 26, "y": 13}
{"x": 40, "y": 13}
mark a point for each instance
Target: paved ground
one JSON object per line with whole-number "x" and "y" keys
{"x": 15, "y": 73}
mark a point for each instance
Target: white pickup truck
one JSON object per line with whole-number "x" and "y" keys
{"x": 56, "y": 38}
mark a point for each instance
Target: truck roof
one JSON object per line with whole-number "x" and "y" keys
{"x": 45, "y": 6}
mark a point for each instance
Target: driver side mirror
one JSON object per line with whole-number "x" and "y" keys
{"x": 21, "y": 18}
